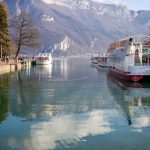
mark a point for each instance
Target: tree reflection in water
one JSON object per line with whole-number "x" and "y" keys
{"x": 4, "y": 100}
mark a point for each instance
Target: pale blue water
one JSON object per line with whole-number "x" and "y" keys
{"x": 72, "y": 105}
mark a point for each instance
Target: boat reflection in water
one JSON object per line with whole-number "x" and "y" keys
{"x": 133, "y": 101}
{"x": 71, "y": 106}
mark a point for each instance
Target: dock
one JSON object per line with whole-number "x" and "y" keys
{"x": 11, "y": 65}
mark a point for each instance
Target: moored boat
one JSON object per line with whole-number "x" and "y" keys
{"x": 94, "y": 58}
{"x": 102, "y": 60}
{"x": 43, "y": 59}
{"x": 130, "y": 58}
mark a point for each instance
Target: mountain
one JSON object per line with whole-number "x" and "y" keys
{"x": 73, "y": 27}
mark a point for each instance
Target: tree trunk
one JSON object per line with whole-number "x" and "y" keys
{"x": 18, "y": 50}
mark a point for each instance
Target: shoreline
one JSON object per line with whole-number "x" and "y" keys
{"x": 12, "y": 67}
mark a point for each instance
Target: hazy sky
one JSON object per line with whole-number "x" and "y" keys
{"x": 138, "y": 4}
{"x": 132, "y": 4}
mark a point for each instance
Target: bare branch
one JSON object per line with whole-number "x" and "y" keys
{"x": 25, "y": 33}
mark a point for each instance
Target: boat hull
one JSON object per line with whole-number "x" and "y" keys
{"x": 103, "y": 64}
{"x": 43, "y": 62}
{"x": 124, "y": 75}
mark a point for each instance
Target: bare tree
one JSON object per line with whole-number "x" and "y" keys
{"x": 24, "y": 32}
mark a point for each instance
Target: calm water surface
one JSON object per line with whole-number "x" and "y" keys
{"x": 72, "y": 105}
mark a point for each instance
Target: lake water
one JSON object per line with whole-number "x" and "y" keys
{"x": 72, "y": 105}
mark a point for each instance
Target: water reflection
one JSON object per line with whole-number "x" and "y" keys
{"x": 133, "y": 101}
{"x": 56, "y": 110}
{"x": 4, "y": 100}
{"x": 70, "y": 129}
{"x": 55, "y": 90}
{"x": 72, "y": 105}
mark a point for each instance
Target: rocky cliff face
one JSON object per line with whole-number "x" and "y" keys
{"x": 80, "y": 26}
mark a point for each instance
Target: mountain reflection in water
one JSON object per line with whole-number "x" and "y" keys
{"x": 72, "y": 105}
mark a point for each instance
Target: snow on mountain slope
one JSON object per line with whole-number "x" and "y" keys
{"x": 117, "y": 2}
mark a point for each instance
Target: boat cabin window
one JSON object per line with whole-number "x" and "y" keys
{"x": 146, "y": 60}
{"x": 137, "y": 58}
{"x": 130, "y": 40}
{"x": 145, "y": 57}
{"x": 136, "y": 52}
{"x": 43, "y": 58}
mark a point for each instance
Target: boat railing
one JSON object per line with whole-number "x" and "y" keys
{"x": 143, "y": 64}
{"x": 44, "y": 54}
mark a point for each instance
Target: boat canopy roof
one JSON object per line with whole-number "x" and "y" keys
{"x": 140, "y": 38}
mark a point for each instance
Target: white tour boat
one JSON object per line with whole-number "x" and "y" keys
{"x": 129, "y": 58}
{"x": 102, "y": 60}
{"x": 94, "y": 58}
{"x": 43, "y": 59}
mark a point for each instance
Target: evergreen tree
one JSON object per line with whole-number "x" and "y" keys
{"x": 4, "y": 33}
